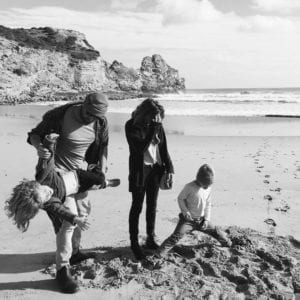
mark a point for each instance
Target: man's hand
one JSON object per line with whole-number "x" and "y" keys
{"x": 43, "y": 152}
{"x": 188, "y": 216}
{"x": 82, "y": 222}
{"x": 204, "y": 224}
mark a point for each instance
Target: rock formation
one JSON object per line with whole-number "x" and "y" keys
{"x": 44, "y": 63}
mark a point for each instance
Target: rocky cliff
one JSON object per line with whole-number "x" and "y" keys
{"x": 45, "y": 63}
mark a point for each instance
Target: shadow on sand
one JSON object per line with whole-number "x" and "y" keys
{"x": 23, "y": 263}
{"x": 47, "y": 284}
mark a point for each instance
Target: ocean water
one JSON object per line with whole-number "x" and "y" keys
{"x": 224, "y": 102}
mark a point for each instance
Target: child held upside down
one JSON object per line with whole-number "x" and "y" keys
{"x": 49, "y": 190}
{"x": 195, "y": 205}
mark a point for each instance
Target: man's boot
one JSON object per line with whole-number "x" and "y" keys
{"x": 65, "y": 281}
{"x": 80, "y": 256}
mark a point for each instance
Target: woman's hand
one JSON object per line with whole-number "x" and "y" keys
{"x": 82, "y": 222}
{"x": 157, "y": 119}
{"x": 204, "y": 224}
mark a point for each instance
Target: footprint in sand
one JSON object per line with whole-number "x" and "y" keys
{"x": 267, "y": 176}
{"x": 260, "y": 167}
{"x": 266, "y": 181}
{"x": 268, "y": 197}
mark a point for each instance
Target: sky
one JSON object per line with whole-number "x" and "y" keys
{"x": 213, "y": 43}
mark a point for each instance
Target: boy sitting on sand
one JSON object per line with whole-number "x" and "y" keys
{"x": 195, "y": 205}
{"x": 49, "y": 190}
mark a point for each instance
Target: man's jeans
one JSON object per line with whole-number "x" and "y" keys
{"x": 69, "y": 236}
{"x": 185, "y": 226}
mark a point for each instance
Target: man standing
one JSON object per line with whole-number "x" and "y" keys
{"x": 83, "y": 138}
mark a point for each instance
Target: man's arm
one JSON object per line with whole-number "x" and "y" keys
{"x": 102, "y": 162}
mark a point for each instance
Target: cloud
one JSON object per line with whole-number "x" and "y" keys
{"x": 124, "y": 4}
{"x": 260, "y": 24}
{"x": 279, "y": 6}
{"x": 186, "y": 11}
{"x": 200, "y": 41}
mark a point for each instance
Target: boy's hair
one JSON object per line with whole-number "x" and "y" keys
{"x": 205, "y": 175}
{"x": 23, "y": 205}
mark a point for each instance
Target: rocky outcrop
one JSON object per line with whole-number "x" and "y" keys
{"x": 157, "y": 75}
{"x": 44, "y": 63}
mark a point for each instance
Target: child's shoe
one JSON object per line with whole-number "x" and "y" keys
{"x": 112, "y": 182}
{"x": 227, "y": 243}
{"x": 66, "y": 282}
{"x": 80, "y": 256}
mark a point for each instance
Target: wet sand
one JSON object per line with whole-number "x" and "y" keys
{"x": 257, "y": 165}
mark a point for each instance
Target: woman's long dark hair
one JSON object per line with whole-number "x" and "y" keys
{"x": 148, "y": 107}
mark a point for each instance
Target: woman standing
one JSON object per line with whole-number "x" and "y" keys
{"x": 148, "y": 160}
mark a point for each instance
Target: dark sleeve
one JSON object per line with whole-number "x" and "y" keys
{"x": 104, "y": 136}
{"x": 45, "y": 171}
{"x": 138, "y": 140}
{"x": 49, "y": 124}
{"x": 87, "y": 179}
{"x": 55, "y": 207}
{"x": 167, "y": 158}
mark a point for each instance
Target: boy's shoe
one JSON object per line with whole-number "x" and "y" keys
{"x": 151, "y": 243}
{"x": 80, "y": 256}
{"x": 227, "y": 243}
{"x": 66, "y": 282}
{"x": 113, "y": 182}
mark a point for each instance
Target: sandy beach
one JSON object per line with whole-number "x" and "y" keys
{"x": 257, "y": 165}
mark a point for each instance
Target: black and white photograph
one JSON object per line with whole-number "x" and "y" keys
{"x": 150, "y": 149}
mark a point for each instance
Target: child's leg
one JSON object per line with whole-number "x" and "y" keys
{"x": 64, "y": 237}
{"x": 216, "y": 232}
{"x": 88, "y": 179}
{"x": 183, "y": 227}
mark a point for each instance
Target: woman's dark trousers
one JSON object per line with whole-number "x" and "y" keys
{"x": 152, "y": 175}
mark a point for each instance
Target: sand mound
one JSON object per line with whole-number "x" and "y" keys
{"x": 255, "y": 267}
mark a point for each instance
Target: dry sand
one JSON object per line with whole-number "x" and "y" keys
{"x": 257, "y": 164}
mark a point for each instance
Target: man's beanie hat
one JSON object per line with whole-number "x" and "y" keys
{"x": 96, "y": 104}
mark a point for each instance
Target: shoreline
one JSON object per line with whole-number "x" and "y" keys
{"x": 190, "y": 125}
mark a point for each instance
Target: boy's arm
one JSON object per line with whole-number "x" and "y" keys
{"x": 207, "y": 210}
{"x": 55, "y": 206}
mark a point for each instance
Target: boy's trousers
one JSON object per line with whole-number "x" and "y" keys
{"x": 185, "y": 226}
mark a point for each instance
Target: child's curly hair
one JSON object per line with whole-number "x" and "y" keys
{"x": 23, "y": 205}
